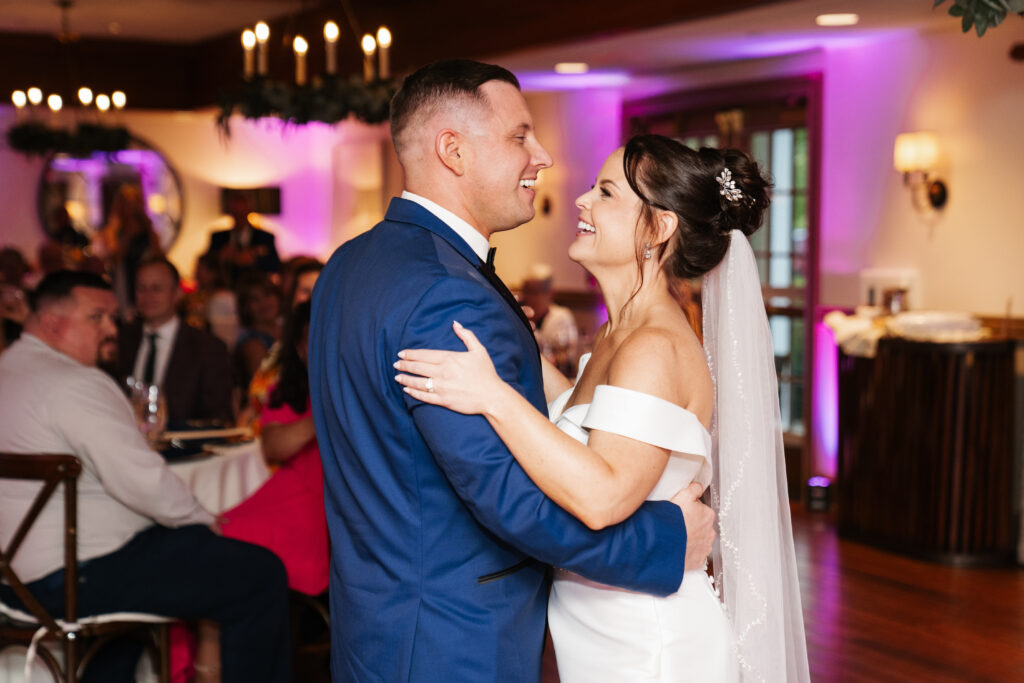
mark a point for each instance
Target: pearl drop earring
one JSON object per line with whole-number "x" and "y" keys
{"x": 647, "y": 252}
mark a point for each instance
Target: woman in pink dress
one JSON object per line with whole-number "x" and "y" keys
{"x": 286, "y": 515}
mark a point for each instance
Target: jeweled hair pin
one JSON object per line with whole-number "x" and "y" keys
{"x": 727, "y": 186}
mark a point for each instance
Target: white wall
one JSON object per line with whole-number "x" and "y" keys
{"x": 966, "y": 90}
{"x": 579, "y": 129}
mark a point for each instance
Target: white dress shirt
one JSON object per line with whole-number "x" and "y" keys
{"x": 165, "y": 335}
{"x": 51, "y": 403}
{"x": 476, "y": 241}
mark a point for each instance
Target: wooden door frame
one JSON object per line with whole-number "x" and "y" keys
{"x": 807, "y": 87}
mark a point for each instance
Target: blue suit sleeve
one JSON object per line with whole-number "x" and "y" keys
{"x": 644, "y": 553}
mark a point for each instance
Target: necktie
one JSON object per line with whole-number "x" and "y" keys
{"x": 149, "y": 369}
{"x": 490, "y": 258}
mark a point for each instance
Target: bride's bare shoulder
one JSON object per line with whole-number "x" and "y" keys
{"x": 662, "y": 360}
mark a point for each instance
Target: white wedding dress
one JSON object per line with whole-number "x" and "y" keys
{"x": 602, "y": 633}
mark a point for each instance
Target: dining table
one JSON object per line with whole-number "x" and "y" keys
{"x": 224, "y": 475}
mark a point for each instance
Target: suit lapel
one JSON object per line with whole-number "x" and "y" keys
{"x": 510, "y": 299}
{"x": 176, "y": 362}
{"x": 405, "y": 211}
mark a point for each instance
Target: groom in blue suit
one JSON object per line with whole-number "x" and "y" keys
{"x": 440, "y": 542}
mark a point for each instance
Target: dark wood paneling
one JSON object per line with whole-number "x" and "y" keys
{"x": 153, "y": 75}
{"x": 1004, "y": 328}
{"x": 926, "y": 462}
{"x": 176, "y": 76}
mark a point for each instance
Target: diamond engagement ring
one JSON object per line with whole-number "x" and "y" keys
{"x": 429, "y": 386}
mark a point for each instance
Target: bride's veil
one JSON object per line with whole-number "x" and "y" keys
{"x": 755, "y": 563}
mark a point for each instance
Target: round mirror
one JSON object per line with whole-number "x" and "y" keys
{"x": 81, "y": 197}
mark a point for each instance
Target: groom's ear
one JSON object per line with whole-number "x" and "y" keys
{"x": 448, "y": 146}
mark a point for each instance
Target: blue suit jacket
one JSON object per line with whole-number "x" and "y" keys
{"x": 434, "y": 526}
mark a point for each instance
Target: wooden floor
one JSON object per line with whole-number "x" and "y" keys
{"x": 876, "y": 616}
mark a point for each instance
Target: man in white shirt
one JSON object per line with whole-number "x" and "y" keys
{"x": 144, "y": 542}
{"x": 191, "y": 366}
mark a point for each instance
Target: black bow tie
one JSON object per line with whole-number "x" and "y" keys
{"x": 487, "y": 270}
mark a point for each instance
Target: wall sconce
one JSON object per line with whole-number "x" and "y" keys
{"x": 915, "y": 155}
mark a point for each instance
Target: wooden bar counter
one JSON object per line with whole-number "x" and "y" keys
{"x": 926, "y": 461}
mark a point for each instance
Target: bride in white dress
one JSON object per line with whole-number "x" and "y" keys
{"x": 646, "y": 417}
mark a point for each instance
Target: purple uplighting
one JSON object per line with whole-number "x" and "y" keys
{"x": 825, "y": 411}
{"x": 546, "y": 80}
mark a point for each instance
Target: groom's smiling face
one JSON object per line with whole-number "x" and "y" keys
{"x": 504, "y": 160}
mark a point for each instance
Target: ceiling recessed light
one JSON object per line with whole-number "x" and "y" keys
{"x": 836, "y": 19}
{"x": 572, "y": 67}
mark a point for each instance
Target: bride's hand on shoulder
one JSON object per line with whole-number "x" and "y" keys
{"x": 463, "y": 381}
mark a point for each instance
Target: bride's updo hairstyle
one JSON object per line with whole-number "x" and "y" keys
{"x": 670, "y": 176}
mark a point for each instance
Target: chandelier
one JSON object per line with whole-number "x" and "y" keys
{"x": 89, "y": 126}
{"x": 328, "y": 97}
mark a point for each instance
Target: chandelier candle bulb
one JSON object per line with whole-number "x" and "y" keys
{"x": 331, "y": 33}
{"x": 262, "y": 35}
{"x": 55, "y": 103}
{"x": 118, "y": 99}
{"x": 35, "y": 96}
{"x": 301, "y": 47}
{"x": 384, "y": 40}
{"x": 103, "y": 102}
{"x": 369, "y": 47}
{"x": 20, "y": 99}
{"x": 249, "y": 49}
{"x": 85, "y": 96}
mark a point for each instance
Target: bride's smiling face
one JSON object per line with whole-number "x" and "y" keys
{"x": 609, "y": 215}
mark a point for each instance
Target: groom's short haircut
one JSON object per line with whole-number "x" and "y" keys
{"x": 437, "y": 85}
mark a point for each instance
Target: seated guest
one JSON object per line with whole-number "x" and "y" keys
{"x": 192, "y": 367}
{"x": 49, "y": 258}
{"x": 144, "y": 542}
{"x": 222, "y": 317}
{"x": 554, "y": 325}
{"x": 298, "y": 275}
{"x": 300, "y": 280}
{"x": 13, "y": 267}
{"x": 259, "y": 308}
{"x": 194, "y": 304}
{"x": 286, "y": 514}
{"x": 13, "y": 303}
{"x": 244, "y": 247}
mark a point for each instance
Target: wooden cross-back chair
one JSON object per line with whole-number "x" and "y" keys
{"x": 79, "y": 638}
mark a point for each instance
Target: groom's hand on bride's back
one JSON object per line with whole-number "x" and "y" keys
{"x": 700, "y": 525}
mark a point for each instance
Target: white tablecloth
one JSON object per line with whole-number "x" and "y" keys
{"x": 223, "y": 480}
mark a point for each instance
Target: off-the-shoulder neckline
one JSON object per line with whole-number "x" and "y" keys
{"x": 584, "y": 406}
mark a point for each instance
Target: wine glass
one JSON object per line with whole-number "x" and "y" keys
{"x": 150, "y": 407}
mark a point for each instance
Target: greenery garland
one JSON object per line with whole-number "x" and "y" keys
{"x": 982, "y": 14}
{"x": 34, "y": 138}
{"x": 329, "y": 100}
